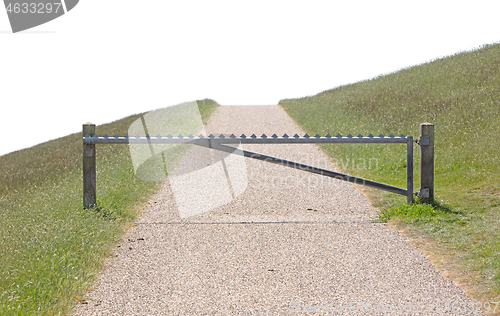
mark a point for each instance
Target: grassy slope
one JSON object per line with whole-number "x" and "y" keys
{"x": 50, "y": 249}
{"x": 461, "y": 96}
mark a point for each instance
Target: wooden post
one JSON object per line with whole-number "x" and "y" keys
{"x": 89, "y": 172}
{"x": 426, "y": 177}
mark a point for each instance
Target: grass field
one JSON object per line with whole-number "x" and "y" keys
{"x": 51, "y": 249}
{"x": 460, "y": 95}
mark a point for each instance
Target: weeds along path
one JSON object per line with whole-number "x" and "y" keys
{"x": 292, "y": 242}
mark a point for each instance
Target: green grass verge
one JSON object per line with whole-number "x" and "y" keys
{"x": 460, "y": 94}
{"x": 420, "y": 212}
{"x": 51, "y": 249}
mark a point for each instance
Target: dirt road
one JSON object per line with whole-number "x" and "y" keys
{"x": 292, "y": 243}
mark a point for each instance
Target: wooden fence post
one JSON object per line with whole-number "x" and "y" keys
{"x": 89, "y": 172}
{"x": 426, "y": 177}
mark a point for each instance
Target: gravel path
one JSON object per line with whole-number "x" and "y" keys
{"x": 292, "y": 243}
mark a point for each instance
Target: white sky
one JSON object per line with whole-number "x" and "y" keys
{"x": 105, "y": 60}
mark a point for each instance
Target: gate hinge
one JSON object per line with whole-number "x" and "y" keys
{"x": 423, "y": 140}
{"x": 88, "y": 152}
{"x": 423, "y": 193}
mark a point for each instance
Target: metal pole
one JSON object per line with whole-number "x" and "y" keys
{"x": 89, "y": 171}
{"x": 246, "y": 140}
{"x": 409, "y": 170}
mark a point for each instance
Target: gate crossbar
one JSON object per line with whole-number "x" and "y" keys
{"x": 320, "y": 171}
{"x": 381, "y": 139}
{"x": 217, "y": 143}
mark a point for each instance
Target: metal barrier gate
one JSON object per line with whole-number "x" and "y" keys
{"x": 220, "y": 143}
